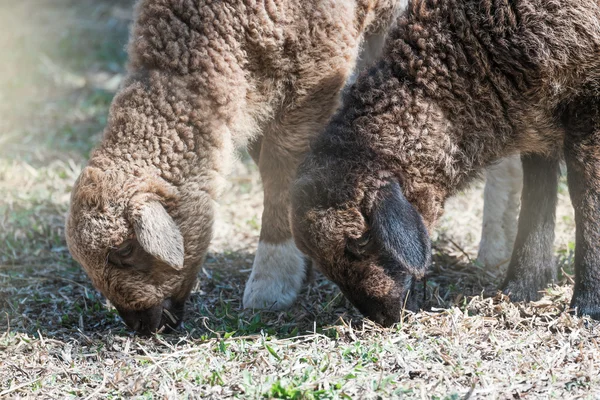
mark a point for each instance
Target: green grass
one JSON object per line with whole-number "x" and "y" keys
{"x": 59, "y": 69}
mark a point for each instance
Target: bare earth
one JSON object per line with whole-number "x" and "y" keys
{"x": 60, "y": 64}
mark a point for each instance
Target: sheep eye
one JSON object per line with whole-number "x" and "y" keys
{"x": 125, "y": 249}
{"x": 118, "y": 255}
{"x": 359, "y": 246}
{"x": 364, "y": 240}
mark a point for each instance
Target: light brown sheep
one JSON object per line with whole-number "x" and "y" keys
{"x": 205, "y": 77}
{"x": 462, "y": 84}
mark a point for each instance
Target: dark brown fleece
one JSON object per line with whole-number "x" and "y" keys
{"x": 205, "y": 77}
{"x": 461, "y": 85}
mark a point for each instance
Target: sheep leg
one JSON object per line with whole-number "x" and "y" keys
{"x": 510, "y": 217}
{"x": 582, "y": 157}
{"x": 532, "y": 264}
{"x": 503, "y": 185}
{"x": 279, "y": 268}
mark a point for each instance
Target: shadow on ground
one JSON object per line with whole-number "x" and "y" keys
{"x": 50, "y": 296}
{"x": 54, "y": 299}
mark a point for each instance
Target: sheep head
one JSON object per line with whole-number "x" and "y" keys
{"x": 374, "y": 245}
{"x": 125, "y": 230}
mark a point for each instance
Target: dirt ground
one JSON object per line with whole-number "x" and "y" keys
{"x": 60, "y": 64}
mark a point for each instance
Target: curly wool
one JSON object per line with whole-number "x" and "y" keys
{"x": 203, "y": 78}
{"x": 461, "y": 85}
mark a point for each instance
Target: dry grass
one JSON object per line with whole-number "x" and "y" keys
{"x": 59, "y": 64}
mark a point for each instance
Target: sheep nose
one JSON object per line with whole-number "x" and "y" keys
{"x": 168, "y": 314}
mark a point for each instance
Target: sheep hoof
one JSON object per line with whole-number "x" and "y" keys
{"x": 277, "y": 276}
{"x": 522, "y": 291}
{"x": 526, "y": 281}
{"x": 493, "y": 258}
{"x": 587, "y": 304}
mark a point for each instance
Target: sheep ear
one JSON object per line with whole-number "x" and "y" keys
{"x": 399, "y": 230}
{"x": 158, "y": 234}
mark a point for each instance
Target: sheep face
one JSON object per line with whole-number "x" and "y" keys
{"x": 119, "y": 230}
{"x": 374, "y": 253}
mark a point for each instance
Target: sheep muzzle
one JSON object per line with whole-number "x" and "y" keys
{"x": 167, "y": 315}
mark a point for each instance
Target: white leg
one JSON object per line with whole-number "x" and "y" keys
{"x": 502, "y": 192}
{"x": 511, "y": 213}
{"x": 276, "y": 278}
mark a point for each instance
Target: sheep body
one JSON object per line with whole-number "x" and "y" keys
{"x": 461, "y": 85}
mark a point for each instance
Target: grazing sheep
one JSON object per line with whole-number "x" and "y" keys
{"x": 462, "y": 84}
{"x": 205, "y": 77}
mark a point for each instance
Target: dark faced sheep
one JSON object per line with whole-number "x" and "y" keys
{"x": 205, "y": 77}
{"x": 462, "y": 84}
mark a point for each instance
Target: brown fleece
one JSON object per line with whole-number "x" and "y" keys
{"x": 462, "y": 84}
{"x": 205, "y": 77}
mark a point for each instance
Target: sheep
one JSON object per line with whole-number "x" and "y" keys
{"x": 461, "y": 85}
{"x": 205, "y": 77}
